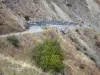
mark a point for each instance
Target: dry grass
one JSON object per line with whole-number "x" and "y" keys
{"x": 8, "y": 22}
{"x": 23, "y": 53}
{"x": 17, "y": 55}
{"x": 10, "y": 66}
{"x": 79, "y": 58}
{"x": 98, "y": 1}
{"x": 10, "y": 26}
{"x": 75, "y": 60}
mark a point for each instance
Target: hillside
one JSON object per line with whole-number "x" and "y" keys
{"x": 68, "y": 10}
{"x": 74, "y": 23}
{"x": 80, "y": 50}
{"x": 9, "y": 21}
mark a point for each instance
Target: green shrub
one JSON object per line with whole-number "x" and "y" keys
{"x": 69, "y": 5}
{"x": 26, "y": 17}
{"x": 48, "y": 55}
{"x": 95, "y": 37}
{"x": 70, "y": 15}
{"x": 77, "y": 48}
{"x": 85, "y": 49}
{"x": 97, "y": 44}
{"x": 82, "y": 66}
{"x": 77, "y": 30}
{"x": 93, "y": 58}
{"x": 13, "y": 40}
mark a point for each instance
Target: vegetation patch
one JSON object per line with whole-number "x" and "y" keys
{"x": 14, "y": 41}
{"x": 95, "y": 37}
{"x": 26, "y": 17}
{"x": 49, "y": 56}
{"x": 77, "y": 48}
{"x": 97, "y": 44}
{"x": 93, "y": 58}
{"x": 82, "y": 66}
{"x": 69, "y": 5}
{"x": 85, "y": 49}
{"x": 77, "y": 30}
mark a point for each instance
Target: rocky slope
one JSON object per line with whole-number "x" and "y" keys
{"x": 56, "y": 9}
{"x": 9, "y": 21}
{"x": 81, "y": 11}
{"x": 80, "y": 39}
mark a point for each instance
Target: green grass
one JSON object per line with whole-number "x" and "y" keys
{"x": 48, "y": 55}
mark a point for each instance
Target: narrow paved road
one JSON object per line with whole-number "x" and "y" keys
{"x": 37, "y": 26}
{"x": 49, "y": 22}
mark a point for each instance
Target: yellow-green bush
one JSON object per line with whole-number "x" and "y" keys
{"x": 48, "y": 55}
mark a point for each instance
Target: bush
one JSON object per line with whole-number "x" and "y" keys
{"x": 82, "y": 66}
{"x": 48, "y": 55}
{"x": 14, "y": 41}
{"x": 93, "y": 58}
{"x": 97, "y": 44}
{"x": 26, "y": 17}
{"x": 69, "y": 5}
{"x": 77, "y": 30}
{"x": 95, "y": 37}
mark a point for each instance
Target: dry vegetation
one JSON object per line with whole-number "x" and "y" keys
{"x": 98, "y": 1}
{"x": 8, "y": 21}
{"x": 76, "y": 62}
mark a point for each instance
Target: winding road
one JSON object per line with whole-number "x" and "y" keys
{"x": 37, "y": 26}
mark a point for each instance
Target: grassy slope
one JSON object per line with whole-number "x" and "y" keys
{"x": 76, "y": 62}
{"x": 9, "y": 22}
